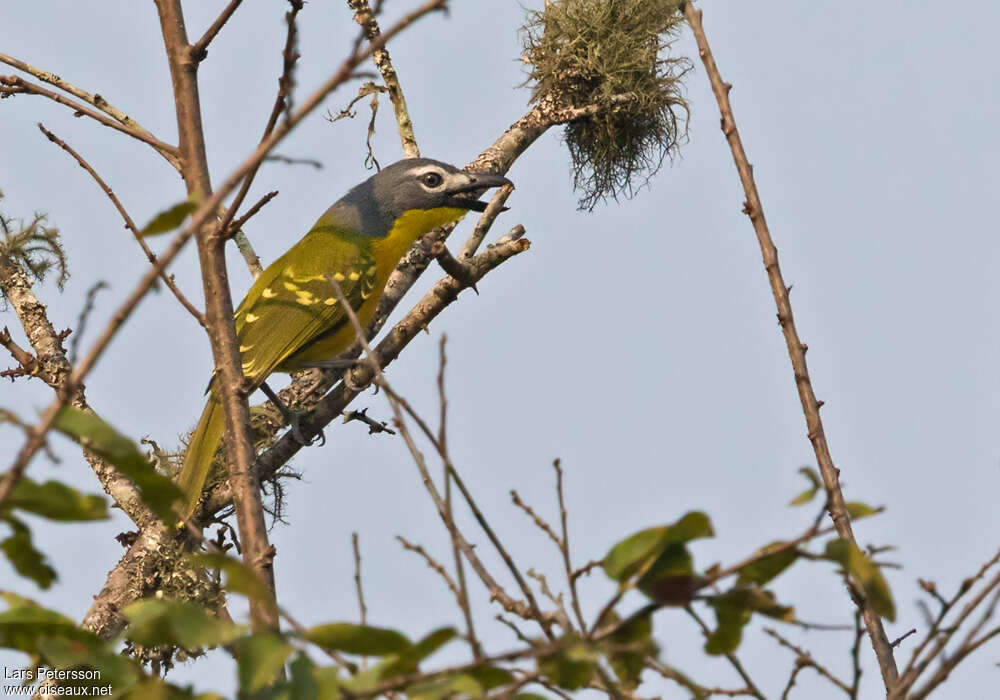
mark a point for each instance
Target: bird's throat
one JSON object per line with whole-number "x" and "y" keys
{"x": 407, "y": 229}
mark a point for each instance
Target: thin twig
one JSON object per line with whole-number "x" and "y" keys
{"x": 13, "y": 85}
{"x": 536, "y": 518}
{"x": 81, "y": 321}
{"x": 282, "y": 103}
{"x": 699, "y": 691}
{"x": 912, "y": 669}
{"x": 357, "y": 578}
{"x": 364, "y": 16}
{"x": 93, "y": 99}
{"x": 398, "y": 404}
{"x": 734, "y": 660}
{"x": 564, "y": 547}
{"x": 200, "y": 48}
{"x": 129, "y": 224}
{"x": 796, "y": 349}
{"x": 240, "y": 222}
{"x": 463, "y": 588}
{"x": 804, "y": 658}
{"x": 433, "y": 564}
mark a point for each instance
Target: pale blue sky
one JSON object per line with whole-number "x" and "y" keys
{"x": 637, "y": 343}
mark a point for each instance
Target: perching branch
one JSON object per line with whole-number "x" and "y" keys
{"x": 796, "y": 348}
{"x": 197, "y": 219}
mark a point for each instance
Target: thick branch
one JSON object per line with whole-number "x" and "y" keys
{"x": 257, "y": 551}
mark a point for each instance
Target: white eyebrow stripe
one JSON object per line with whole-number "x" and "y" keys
{"x": 420, "y": 170}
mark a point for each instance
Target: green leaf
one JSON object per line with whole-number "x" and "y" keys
{"x": 473, "y": 683}
{"x": 732, "y": 612}
{"x": 628, "y": 648}
{"x": 56, "y": 501}
{"x": 858, "y": 510}
{"x": 768, "y": 567}
{"x": 570, "y": 668}
{"x": 23, "y": 556}
{"x": 670, "y": 578}
{"x": 641, "y": 550}
{"x": 358, "y": 639}
{"x": 239, "y": 577}
{"x": 119, "y": 671}
{"x": 728, "y": 634}
{"x": 303, "y": 683}
{"x": 861, "y": 567}
{"x": 25, "y": 624}
{"x": 259, "y": 657}
{"x": 156, "y": 621}
{"x": 810, "y": 493}
{"x": 409, "y": 659}
{"x": 157, "y": 491}
{"x": 169, "y": 219}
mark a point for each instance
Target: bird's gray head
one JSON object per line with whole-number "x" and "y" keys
{"x": 412, "y": 183}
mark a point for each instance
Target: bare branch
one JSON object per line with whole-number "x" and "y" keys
{"x": 364, "y": 16}
{"x": 357, "y": 578}
{"x": 96, "y": 100}
{"x": 129, "y": 224}
{"x": 796, "y": 349}
{"x": 200, "y": 48}
{"x": 14, "y": 85}
{"x": 804, "y": 658}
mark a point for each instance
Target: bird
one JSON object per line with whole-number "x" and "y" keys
{"x": 291, "y": 319}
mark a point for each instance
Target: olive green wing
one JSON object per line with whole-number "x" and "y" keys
{"x": 293, "y": 301}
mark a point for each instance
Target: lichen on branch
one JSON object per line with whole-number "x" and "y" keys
{"x": 612, "y": 54}
{"x": 33, "y": 246}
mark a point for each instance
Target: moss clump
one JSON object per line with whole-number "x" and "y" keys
{"x": 611, "y": 54}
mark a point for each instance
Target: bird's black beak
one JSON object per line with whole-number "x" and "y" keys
{"x": 469, "y": 191}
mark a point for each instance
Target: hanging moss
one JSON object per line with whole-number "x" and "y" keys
{"x": 612, "y": 54}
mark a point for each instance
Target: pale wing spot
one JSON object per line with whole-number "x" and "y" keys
{"x": 268, "y": 293}
{"x": 244, "y": 348}
{"x": 329, "y": 301}
{"x": 371, "y": 270}
{"x": 339, "y": 277}
{"x": 290, "y": 286}
{"x": 305, "y": 298}
{"x": 252, "y": 317}
{"x": 354, "y": 276}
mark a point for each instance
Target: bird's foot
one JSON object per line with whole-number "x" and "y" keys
{"x": 345, "y": 365}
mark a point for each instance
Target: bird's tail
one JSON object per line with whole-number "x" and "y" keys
{"x": 200, "y": 452}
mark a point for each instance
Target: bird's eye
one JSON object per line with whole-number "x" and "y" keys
{"x": 431, "y": 179}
